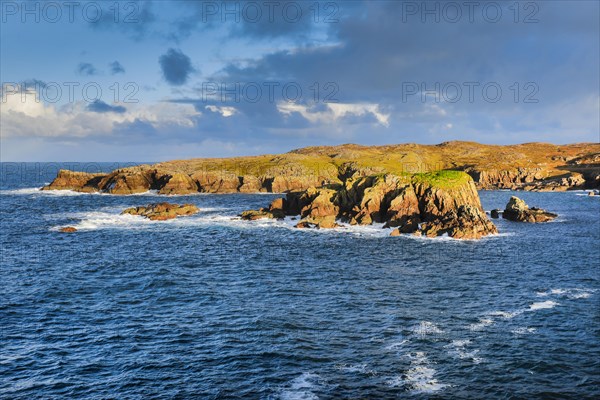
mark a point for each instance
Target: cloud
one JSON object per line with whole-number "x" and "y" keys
{"x": 334, "y": 112}
{"x": 132, "y": 18}
{"x": 224, "y": 111}
{"x": 176, "y": 67}
{"x": 99, "y": 106}
{"x": 26, "y": 116}
{"x": 86, "y": 69}
{"x": 116, "y": 68}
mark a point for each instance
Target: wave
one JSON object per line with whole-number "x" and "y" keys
{"x": 426, "y": 328}
{"x": 69, "y": 193}
{"x": 542, "y": 305}
{"x": 573, "y": 293}
{"x": 420, "y": 377}
{"x": 458, "y": 350}
{"x": 481, "y": 325}
{"x": 302, "y": 387}
{"x": 94, "y": 220}
{"x": 523, "y": 331}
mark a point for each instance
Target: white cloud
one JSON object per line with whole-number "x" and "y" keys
{"x": 224, "y": 111}
{"x": 24, "y": 116}
{"x": 335, "y": 111}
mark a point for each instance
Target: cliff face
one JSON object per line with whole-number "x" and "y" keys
{"x": 533, "y": 166}
{"x": 431, "y": 204}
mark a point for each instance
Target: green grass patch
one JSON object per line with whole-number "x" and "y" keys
{"x": 446, "y": 179}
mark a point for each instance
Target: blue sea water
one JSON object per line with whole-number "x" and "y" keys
{"x": 209, "y": 306}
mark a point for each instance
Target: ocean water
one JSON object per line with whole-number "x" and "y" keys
{"x": 212, "y": 307}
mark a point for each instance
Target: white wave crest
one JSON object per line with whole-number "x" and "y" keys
{"x": 420, "y": 377}
{"x": 541, "y": 305}
{"x": 302, "y": 387}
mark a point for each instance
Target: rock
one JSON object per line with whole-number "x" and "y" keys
{"x": 320, "y": 209}
{"x": 68, "y": 229}
{"x": 517, "y": 210}
{"x": 127, "y": 182}
{"x": 176, "y": 183}
{"x": 495, "y": 213}
{"x": 593, "y": 193}
{"x": 77, "y": 181}
{"x": 217, "y": 182}
{"x": 250, "y": 184}
{"x": 443, "y": 203}
{"x": 253, "y": 215}
{"x": 467, "y": 222}
{"x": 396, "y": 232}
{"x": 162, "y": 211}
{"x": 282, "y": 184}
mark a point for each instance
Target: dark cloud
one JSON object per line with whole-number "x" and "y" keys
{"x": 116, "y": 68}
{"x": 86, "y": 69}
{"x": 99, "y": 106}
{"x": 290, "y": 19}
{"x": 176, "y": 67}
{"x": 133, "y": 18}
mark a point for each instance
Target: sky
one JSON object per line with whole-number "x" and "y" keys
{"x": 162, "y": 80}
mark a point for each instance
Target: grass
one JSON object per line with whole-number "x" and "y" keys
{"x": 403, "y": 159}
{"x": 445, "y": 179}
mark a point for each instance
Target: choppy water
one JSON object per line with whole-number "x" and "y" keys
{"x": 212, "y": 307}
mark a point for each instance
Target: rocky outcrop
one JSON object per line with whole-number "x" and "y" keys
{"x": 162, "y": 211}
{"x": 176, "y": 183}
{"x": 443, "y": 203}
{"x": 517, "y": 210}
{"x": 505, "y": 178}
{"x": 68, "y": 229}
{"x": 275, "y": 210}
{"x": 77, "y": 181}
{"x": 126, "y": 182}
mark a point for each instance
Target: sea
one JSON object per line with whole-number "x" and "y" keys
{"x": 212, "y": 307}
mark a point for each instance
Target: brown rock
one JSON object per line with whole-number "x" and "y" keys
{"x": 517, "y": 210}
{"x": 162, "y": 211}
{"x": 77, "y": 181}
{"x": 68, "y": 229}
{"x": 253, "y": 215}
{"x": 467, "y": 222}
{"x": 217, "y": 182}
{"x": 177, "y": 183}
{"x": 127, "y": 182}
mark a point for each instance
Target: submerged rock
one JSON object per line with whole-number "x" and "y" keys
{"x": 517, "y": 210}
{"x": 162, "y": 211}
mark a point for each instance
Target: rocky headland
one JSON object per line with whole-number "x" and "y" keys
{"x": 531, "y": 166}
{"x": 431, "y": 204}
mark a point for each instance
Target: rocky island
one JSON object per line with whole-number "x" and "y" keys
{"x": 531, "y": 166}
{"x": 432, "y": 204}
{"x": 426, "y": 190}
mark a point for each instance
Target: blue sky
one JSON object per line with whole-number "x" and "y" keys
{"x": 187, "y": 79}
